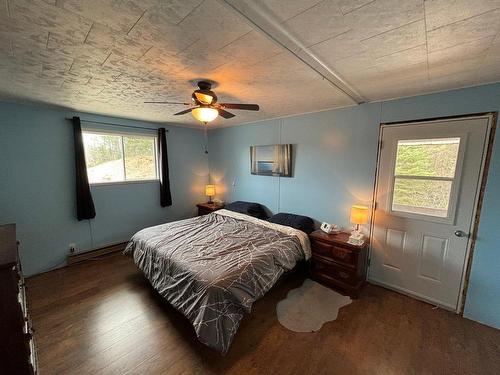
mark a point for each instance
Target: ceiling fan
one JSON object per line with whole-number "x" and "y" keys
{"x": 205, "y": 107}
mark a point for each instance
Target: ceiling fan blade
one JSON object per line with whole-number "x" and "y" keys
{"x": 184, "y": 112}
{"x": 246, "y": 107}
{"x": 225, "y": 114}
{"x": 182, "y": 103}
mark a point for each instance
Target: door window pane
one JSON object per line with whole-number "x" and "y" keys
{"x": 427, "y": 157}
{"x": 424, "y": 174}
{"x": 140, "y": 158}
{"x": 103, "y": 155}
{"x": 420, "y": 196}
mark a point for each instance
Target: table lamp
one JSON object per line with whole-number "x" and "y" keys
{"x": 209, "y": 192}
{"x": 359, "y": 215}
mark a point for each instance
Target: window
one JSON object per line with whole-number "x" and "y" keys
{"x": 424, "y": 175}
{"x": 113, "y": 157}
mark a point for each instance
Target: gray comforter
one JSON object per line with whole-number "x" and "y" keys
{"x": 213, "y": 267}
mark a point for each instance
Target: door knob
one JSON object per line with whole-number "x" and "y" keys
{"x": 461, "y": 233}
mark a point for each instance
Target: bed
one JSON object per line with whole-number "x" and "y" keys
{"x": 212, "y": 268}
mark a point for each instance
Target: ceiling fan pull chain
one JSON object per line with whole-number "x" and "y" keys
{"x": 205, "y": 130}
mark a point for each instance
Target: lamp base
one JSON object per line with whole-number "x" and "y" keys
{"x": 356, "y": 238}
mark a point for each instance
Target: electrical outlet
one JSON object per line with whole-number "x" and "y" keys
{"x": 72, "y": 248}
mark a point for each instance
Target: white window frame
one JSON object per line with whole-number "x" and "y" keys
{"x": 452, "y": 204}
{"x": 126, "y": 134}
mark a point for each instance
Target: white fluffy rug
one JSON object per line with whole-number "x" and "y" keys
{"x": 308, "y": 307}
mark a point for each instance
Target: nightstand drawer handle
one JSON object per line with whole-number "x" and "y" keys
{"x": 343, "y": 275}
{"x": 340, "y": 254}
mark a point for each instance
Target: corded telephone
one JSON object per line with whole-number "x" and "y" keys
{"x": 330, "y": 228}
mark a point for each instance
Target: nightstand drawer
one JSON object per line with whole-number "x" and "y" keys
{"x": 336, "y": 253}
{"x": 332, "y": 272}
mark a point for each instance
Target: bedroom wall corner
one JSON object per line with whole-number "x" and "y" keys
{"x": 37, "y": 186}
{"x": 229, "y": 163}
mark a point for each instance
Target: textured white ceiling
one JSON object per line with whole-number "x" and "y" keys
{"x": 109, "y": 56}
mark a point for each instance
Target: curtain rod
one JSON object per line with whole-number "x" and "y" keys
{"x": 109, "y": 123}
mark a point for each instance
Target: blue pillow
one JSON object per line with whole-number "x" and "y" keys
{"x": 303, "y": 223}
{"x": 248, "y": 208}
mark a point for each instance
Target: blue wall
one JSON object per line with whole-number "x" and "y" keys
{"x": 331, "y": 167}
{"x": 37, "y": 186}
{"x": 335, "y": 159}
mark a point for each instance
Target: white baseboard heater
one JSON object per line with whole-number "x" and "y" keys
{"x": 91, "y": 254}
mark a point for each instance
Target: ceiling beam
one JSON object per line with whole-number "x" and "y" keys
{"x": 260, "y": 18}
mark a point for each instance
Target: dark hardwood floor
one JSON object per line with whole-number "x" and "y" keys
{"x": 101, "y": 317}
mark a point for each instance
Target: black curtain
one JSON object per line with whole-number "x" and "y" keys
{"x": 165, "y": 196}
{"x": 84, "y": 204}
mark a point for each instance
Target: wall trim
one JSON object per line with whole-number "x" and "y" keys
{"x": 479, "y": 206}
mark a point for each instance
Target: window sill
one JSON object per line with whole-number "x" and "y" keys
{"x": 123, "y": 182}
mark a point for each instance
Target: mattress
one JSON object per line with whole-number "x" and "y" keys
{"x": 212, "y": 268}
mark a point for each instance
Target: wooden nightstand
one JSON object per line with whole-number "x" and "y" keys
{"x": 337, "y": 263}
{"x": 206, "y": 208}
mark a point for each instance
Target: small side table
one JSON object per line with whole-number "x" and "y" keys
{"x": 206, "y": 208}
{"x": 337, "y": 263}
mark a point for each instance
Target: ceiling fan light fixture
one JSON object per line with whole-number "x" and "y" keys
{"x": 204, "y": 98}
{"x": 205, "y": 114}
{"x": 204, "y": 106}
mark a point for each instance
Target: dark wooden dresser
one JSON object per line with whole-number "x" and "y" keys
{"x": 206, "y": 208}
{"x": 17, "y": 347}
{"x": 338, "y": 264}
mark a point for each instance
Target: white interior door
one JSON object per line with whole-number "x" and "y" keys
{"x": 427, "y": 184}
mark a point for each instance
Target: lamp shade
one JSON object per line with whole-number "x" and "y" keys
{"x": 359, "y": 214}
{"x": 205, "y": 114}
{"x": 210, "y": 190}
